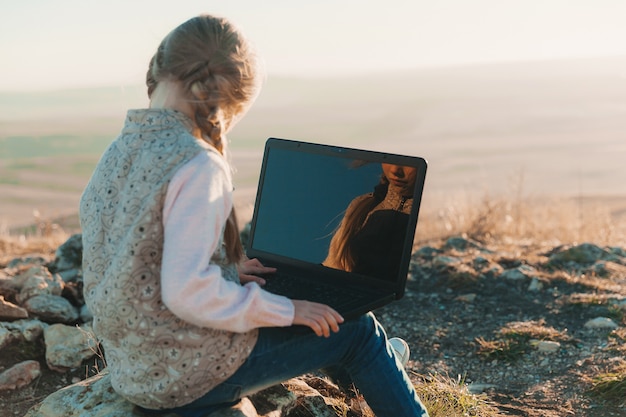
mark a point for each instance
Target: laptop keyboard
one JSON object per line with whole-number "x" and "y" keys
{"x": 303, "y": 289}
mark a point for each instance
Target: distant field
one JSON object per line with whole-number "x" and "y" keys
{"x": 530, "y": 130}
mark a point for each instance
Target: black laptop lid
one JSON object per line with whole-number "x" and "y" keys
{"x": 304, "y": 192}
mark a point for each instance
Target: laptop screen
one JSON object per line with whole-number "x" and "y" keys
{"x": 342, "y": 208}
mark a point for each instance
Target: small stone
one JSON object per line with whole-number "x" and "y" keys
{"x": 601, "y": 323}
{"x": 466, "y": 298}
{"x": 30, "y": 330}
{"x": 10, "y": 311}
{"x": 445, "y": 261}
{"x": 546, "y": 346}
{"x": 621, "y": 305}
{"x": 39, "y": 281}
{"x": 68, "y": 346}
{"x": 52, "y": 309}
{"x": 475, "y": 388}
{"x": 535, "y": 285}
{"x": 20, "y": 375}
{"x": 513, "y": 275}
{"x": 7, "y": 336}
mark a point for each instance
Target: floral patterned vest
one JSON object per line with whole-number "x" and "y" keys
{"x": 155, "y": 359}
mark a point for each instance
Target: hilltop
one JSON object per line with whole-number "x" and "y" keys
{"x": 535, "y": 129}
{"x": 495, "y": 329}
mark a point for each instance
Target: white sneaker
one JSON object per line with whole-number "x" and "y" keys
{"x": 401, "y": 350}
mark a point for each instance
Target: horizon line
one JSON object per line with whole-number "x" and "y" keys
{"x": 339, "y": 74}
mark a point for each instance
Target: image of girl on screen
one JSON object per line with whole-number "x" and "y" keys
{"x": 371, "y": 235}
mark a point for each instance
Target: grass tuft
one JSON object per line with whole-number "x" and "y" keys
{"x": 515, "y": 339}
{"x": 611, "y": 386}
{"x": 509, "y": 349}
{"x": 447, "y": 397}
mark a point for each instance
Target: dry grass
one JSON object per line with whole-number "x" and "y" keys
{"x": 538, "y": 220}
{"x": 17, "y": 246}
{"x": 534, "y": 329}
{"x": 610, "y": 386}
{"x": 447, "y": 397}
{"x": 516, "y": 220}
{"x": 441, "y": 395}
{"x": 617, "y": 342}
{"x": 516, "y": 339}
{"x": 41, "y": 239}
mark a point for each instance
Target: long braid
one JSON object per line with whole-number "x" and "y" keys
{"x": 219, "y": 74}
{"x": 209, "y": 116}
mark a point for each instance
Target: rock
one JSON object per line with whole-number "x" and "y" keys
{"x": 94, "y": 397}
{"x": 601, "y": 323}
{"x": 621, "y": 305}
{"x": 460, "y": 243}
{"x": 68, "y": 346}
{"x": 29, "y": 330}
{"x": 85, "y": 314}
{"x": 426, "y": 252}
{"x": 311, "y": 399}
{"x": 463, "y": 244}
{"x": 582, "y": 255}
{"x": 245, "y": 408}
{"x": 475, "y": 388}
{"x": 616, "y": 250}
{"x": 11, "y": 283}
{"x": 71, "y": 275}
{"x": 69, "y": 255}
{"x": 527, "y": 270}
{"x": 19, "y": 375}
{"x": 546, "y": 346}
{"x": 493, "y": 271}
{"x": 515, "y": 274}
{"x": 10, "y": 311}
{"x": 466, "y": 298}
{"x": 29, "y": 260}
{"x": 7, "y": 336}
{"x": 445, "y": 261}
{"x": 276, "y": 400}
{"x": 480, "y": 263}
{"x": 535, "y": 285}
{"x": 52, "y": 309}
{"x": 40, "y": 282}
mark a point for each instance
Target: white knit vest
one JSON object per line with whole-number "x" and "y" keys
{"x": 156, "y": 360}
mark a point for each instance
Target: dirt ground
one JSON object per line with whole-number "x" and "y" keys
{"x": 444, "y": 315}
{"x": 443, "y": 323}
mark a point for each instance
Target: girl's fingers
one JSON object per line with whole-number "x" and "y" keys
{"x": 321, "y": 318}
{"x": 244, "y": 278}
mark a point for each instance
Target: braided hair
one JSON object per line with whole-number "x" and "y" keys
{"x": 219, "y": 75}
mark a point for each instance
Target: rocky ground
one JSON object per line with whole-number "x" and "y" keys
{"x": 527, "y": 326}
{"x": 530, "y": 327}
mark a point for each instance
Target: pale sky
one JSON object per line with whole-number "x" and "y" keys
{"x": 53, "y": 44}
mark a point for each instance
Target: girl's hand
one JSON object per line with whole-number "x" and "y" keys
{"x": 321, "y": 318}
{"x": 249, "y": 267}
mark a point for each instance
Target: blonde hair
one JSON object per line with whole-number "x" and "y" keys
{"x": 220, "y": 77}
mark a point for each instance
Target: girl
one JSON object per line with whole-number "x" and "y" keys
{"x": 183, "y": 321}
{"x": 371, "y": 235}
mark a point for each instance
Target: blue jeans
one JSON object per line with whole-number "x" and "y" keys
{"x": 359, "y": 351}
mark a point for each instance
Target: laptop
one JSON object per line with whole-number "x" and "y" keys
{"x": 304, "y": 220}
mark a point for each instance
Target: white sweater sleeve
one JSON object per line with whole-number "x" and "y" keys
{"x": 197, "y": 204}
